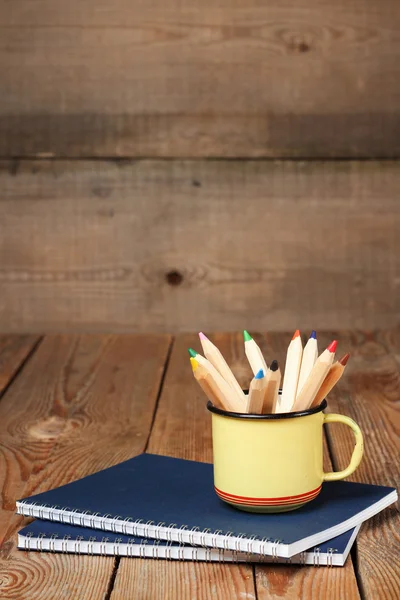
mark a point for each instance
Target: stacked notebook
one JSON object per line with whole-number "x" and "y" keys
{"x": 160, "y": 507}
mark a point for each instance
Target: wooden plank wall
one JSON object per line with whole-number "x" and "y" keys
{"x": 140, "y": 186}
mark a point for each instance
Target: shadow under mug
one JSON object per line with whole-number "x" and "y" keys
{"x": 274, "y": 462}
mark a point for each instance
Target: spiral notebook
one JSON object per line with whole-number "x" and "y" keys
{"x": 167, "y": 498}
{"x": 46, "y": 536}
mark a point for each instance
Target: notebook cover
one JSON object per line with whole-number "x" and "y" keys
{"x": 175, "y": 491}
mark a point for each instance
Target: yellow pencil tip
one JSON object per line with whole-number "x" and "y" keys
{"x": 194, "y": 363}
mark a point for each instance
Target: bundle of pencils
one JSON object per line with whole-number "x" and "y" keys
{"x": 308, "y": 378}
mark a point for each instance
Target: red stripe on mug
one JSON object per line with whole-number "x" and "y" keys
{"x": 266, "y": 501}
{"x": 271, "y": 503}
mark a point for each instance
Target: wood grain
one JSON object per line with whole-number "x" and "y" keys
{"x": 304, "y": 78}
{"x": 81, "y": 404}
{"x": 14, "y": 350}
{"x": 369, "y": 393}
{"x": 187, "y": 245}
{"x": 182, "y": 429}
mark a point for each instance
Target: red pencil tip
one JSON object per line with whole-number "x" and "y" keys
{"x": 296, "y": 334}
{"x": 332, "y": 346}
{"x": 344, "y": 359}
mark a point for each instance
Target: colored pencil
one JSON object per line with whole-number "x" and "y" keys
{"x": 316, "y": 378}
{"x": 254, "y": 354}
{"x": 310, "y": 355}
{"x": 272, "y": 383}
{"x": 221, "y": 388}
{"x": 207, "y": 384}
{"x": 334, "y": 374}
{"x": 213, "y": 354}
{"x": 291, "y": 376}
{"x": 255, "y": 398}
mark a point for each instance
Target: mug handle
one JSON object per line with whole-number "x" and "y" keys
{"x": 357, "y": 452}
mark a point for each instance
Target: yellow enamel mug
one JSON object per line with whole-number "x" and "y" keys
{"x": 274, "y": 462}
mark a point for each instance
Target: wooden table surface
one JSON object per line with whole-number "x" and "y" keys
{"x": 71, "y": 405}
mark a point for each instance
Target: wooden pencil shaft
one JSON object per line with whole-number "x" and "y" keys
{"x": 216, "y": 358}
{"x": 273, "y": 381}
{"x": 333, "y": 376}
{"x": 255, "y": 356}
{"x": 291, "y": 376}
{"x": 312, "y": 385}
{"x": 210, "y": 392}
{"x": 310, "y": 355}
{"x": 256, "y": 396}
{"x": 231, "y": 398}
{"x": 221, "y": 389}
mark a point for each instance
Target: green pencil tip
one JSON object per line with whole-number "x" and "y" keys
{"x": 247, "y": 336}
{"x": 192, "y": 352}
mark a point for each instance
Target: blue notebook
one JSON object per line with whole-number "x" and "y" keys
{"x": 167, "y": 498}
{"x": 46, "y": 536}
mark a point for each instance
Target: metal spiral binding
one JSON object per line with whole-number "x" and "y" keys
{"x": 82, "y": 517}
{"x": 168, "y": 550}
{"x": 135, "y": 525}
{"x": 227, "y": 537}
{"x": 142, "y": 548}
{"x": 157, "y": 530}
{"x": 117, "y": 546}
{"x": 77, "y": 544}
{"x": 155, "y": 548}
{"x": 192, "y": 534}
{"x": 124, "y": 524}
{"x": 103, "y": 546}
{"x": 130, "y": 547}
{"x": 104, "y": 518}
{"x": 64, "y": 543}
{"x": 72, "y": 516}
{"x": 329, "y": 556}
{"x": 216, "y": 534}
{"x": 238, "y": 539}
{"x": 250, "y": 543}
{"x": 169, "y": 533}
{"x": 263, "y": 543}
{"x": 39, "y": 543}
{"x": 274, "y": 551}
{"x": 181, "y": 552}
{"x": 316, "y": 557}
{"x": 195, "y": 553}
{"x": 92, "y": 539}
{"x": 92, "y": 520}
{"x": 203, "y": 534}
{"x": 27, "y": 541}
{"x": 181, "y": 531}
{"x": 52, "y": 542}
{"x": 52, "y": 509}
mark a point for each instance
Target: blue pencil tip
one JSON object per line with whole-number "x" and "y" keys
{"x": 313, "y": 335}
{"x": 259, "y": 375}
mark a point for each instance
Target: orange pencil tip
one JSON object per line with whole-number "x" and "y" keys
{"x": 296, "y": 334}
{"x": 332, "y": 346}
{"x": 344, "y": 359}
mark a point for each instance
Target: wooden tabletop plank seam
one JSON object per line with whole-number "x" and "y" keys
{"x": 117, "y": 560}
{"x": 16, "y": 362}
{"x": 160, "y": 389}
